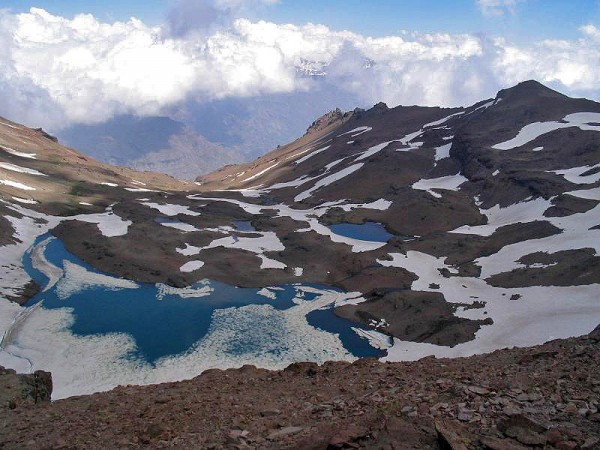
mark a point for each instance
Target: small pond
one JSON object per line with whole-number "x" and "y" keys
{"x": 368, "y": 231}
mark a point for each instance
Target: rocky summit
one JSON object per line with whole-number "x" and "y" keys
{"x": 380, "y": 236}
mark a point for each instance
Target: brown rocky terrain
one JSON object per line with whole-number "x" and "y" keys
{"x": 544, "y": 397}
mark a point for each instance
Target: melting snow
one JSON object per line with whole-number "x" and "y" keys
{"x": 259, "y": 173}
{"x": 328, "y": 180}
{"x": 451, "y": 182}
{"x": 357, "y": 131}
{"x": 574, "y": 175}
{"x": 14, "y": 152}
{"x": 25, "y": 200}
{"x": 189, "y": 250}
{"x": 191, "y": 266}
{"x": 541, "y": 314}
{"x": 17, "y": 185}
{"x": 528, "y": 133}
{"x": 441, "y": 121}
{"x": 442, "y": 152}
{"x": 171, "y": 210}
{"x": 310, "y": 155}
{"x": 371, "y": 151}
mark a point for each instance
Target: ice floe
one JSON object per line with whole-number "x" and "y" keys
{"x": 77, "y": 279}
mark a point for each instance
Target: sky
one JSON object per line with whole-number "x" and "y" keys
{"x": 84, "y": 61}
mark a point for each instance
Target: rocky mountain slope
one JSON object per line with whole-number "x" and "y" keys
{"x": 150, "y": 143}
{"x": 397, "y": 233}
{"x": 540, "y": 397}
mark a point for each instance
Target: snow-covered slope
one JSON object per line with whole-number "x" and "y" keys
{"x": 493, "y": 212}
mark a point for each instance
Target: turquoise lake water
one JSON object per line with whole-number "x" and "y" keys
{"x": 368, "y": 231}
{"x": 167, "y": 324}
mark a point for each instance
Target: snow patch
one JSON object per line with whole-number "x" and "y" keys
{"x": 17, "y": 185}
{"x": 451, "y": 183}
{"x": 171, "y": 210}
{"x": 528, "y": 133}
{"x": 14, "y": 152}
{"x": 191, "y": 266}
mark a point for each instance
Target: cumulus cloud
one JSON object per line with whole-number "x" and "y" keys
{"x": 58, "y": 71}
{"x": 497, "y": 7}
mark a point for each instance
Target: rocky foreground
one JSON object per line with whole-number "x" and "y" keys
{"x": 540, "y": 397}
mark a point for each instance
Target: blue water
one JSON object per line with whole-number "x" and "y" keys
{"x": 171, "y": 325}
{"x": 243, "y": 225}
{"x": 368, "y": 231}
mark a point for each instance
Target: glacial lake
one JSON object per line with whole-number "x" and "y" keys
{"x": 368, "y": 231}
{"x": 165, "y": 321}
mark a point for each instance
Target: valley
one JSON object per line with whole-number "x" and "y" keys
{"x": 395, "y": 233}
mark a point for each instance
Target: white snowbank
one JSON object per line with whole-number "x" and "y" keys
{"x": 590, "y": 194}
{"x": 328, "y": 180}
{"x": 528, "y": 133}
{"x": 541, "y": 314}
{"x": 259, "y": 173}
{"x": 311, "y": 154}
{"x": 188, "y": 250}
{"x": 169, "y": 209}
{"x": 356, "y": 131}
{"x": 109, "y": 224}
{"x": 373, "y": 150}
{"x": 191, "y": 266}
{"x": 441, "y": 121}
{"x": 26, "y": 201}
{"x": 19, "y": 169}
{"x": 451, "y": 183}
{"x": 526, "y": 211}
{"x": 574, "y": 175}
{"x": 17, "y": 185}
{"x": 181, "y": 226}
{"x": 14, "y": 152}
{"x": 442, "y": 152}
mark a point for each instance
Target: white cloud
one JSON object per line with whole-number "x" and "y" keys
{"x": 497, "y": 7}
{"x": 57, "y": 71}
